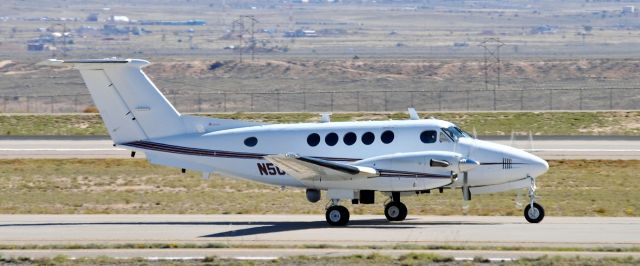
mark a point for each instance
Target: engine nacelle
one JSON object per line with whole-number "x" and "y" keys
{"x": 313, "y": 195}
{"x": 441, "y": 162}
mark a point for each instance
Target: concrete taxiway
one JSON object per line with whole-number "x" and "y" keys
{"x": 296, "y": 235}
{"x": 548, "y": 147}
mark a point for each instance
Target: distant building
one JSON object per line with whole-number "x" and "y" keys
{"x": 191, "y": 22}
{"x": 113, "y": 29}
{"x": 35, "y": 46}
{"x": 119, "y": 19}
{"x": 628, "y": 10}
{"x": 543, "y": 29}
{"x": 93, "y": 17}
{"x": 301, "y": 33}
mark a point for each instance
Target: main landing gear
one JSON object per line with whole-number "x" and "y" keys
{"x": 337, "y": 215}
{"x": 534, "y": 213}
{"x": 395, "y": 210}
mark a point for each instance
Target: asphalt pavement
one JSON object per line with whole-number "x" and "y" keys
{"x": 298, "y": 231}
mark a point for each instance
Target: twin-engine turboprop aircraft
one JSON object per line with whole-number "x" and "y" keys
{"x": 349, "y": 160}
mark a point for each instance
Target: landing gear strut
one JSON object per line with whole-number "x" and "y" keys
{"x": 337, "y": 215}
{"x": 395, "y": 210}
{"x": 534, "y": 213}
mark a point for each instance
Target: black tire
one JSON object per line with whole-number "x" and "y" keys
{"x": 534, "y": 215}
{"x": 337, "y": 215}
{"x": 395, "y": 211}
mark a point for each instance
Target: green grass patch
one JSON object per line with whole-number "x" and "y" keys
{"x": 485, "y": 123}
{"x": 132, "y": 186}
{"x": 52, "y": 125}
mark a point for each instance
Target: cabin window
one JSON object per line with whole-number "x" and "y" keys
{"x": 350, "y": 138}
{"x": 331, "y": 139}
{"x": 313, "y": 139}
{"x": 251, "y": 141}
{"x": 368, "y": 138}
{"x": 387, "y": 137}
{"x": 428, "y": 136}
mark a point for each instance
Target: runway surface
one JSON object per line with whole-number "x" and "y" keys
{"x": 299, "y": 230}
{"x": 547, "y": 148}
{"x": 312, "y": 229}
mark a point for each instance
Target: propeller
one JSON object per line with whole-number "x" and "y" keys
{"x": 519, "y": 199}
{"x": 467, "y": 164}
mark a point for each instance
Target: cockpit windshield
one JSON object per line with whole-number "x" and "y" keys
{"x": 456, "y": 133}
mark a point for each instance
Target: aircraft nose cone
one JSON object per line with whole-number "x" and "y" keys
{"x": 537, "y": 165}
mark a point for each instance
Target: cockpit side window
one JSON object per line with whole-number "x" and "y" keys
{"x": 454, "y": 133}
{"x": 444, "y": 136}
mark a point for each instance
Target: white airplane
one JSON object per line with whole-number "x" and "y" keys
{"x": 349, "y": 160}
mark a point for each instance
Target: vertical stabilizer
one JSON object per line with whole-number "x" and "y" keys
{"x": 131, "y": 106}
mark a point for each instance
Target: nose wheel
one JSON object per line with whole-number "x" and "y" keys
{"x": 533, "y": 213}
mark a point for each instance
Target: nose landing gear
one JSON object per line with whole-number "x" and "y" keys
{"x": 534, "y": 213}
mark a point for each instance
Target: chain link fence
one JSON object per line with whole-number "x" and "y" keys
{"x": 355, "y": 101}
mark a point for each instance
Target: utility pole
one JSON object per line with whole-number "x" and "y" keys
{"x": 290, "y": 24}
{"x": 253, "y": 38}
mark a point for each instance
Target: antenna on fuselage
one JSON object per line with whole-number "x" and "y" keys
{"x": 413, "y": 115}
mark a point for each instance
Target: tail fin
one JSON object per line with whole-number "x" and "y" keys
{"x": 131, "y": 106}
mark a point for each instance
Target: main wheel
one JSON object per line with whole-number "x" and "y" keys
{"x": 337, "y": 215}
{"x": 534, "y": 215}
{"x": 395, "y": 211}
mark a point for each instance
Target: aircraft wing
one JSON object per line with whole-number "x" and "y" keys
{"x": 309, "y": 168}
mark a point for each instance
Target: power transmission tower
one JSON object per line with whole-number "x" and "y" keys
{"x": 492, "y": 65}
{"x": 55, "y": 42}
{"x": 239, "y": 30}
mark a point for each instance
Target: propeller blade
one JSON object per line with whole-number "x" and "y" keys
{"x": 466, "y": 193}
{"x": 519, "y": 199}
{"x": 465, "y": 207}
